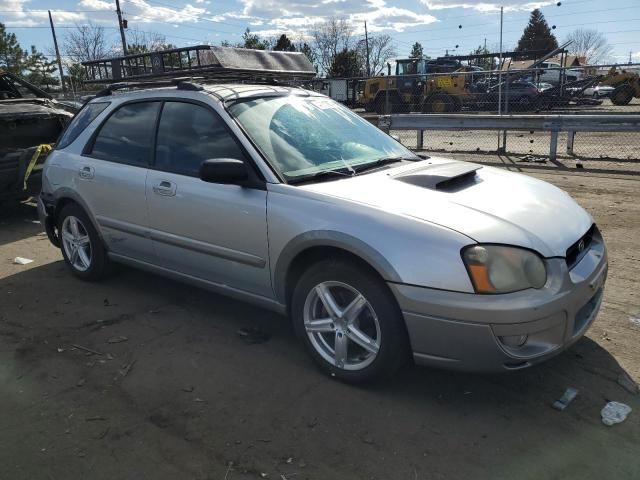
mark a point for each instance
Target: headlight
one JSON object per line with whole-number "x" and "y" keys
{"x": 500, "y": 269}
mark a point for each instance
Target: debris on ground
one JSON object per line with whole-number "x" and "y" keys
{"x": 188, "y": 389}
{"x": 126, "y": 368}
{"x": 22, "y": 261}
{"x": 86, "y": 349}
{"x": 80, "y": 382}
{"x": 614, "y": 412}
{"x": 635, "y": 321}
{"x": 253, "y": 335}
{"x": 533, "y": 158}
{"x": 628, "y": 383}
{"x": 118, "y": 339}
{"x": 564, "y": 401}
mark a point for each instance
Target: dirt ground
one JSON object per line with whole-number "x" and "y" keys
{"x": 140, "y": 377}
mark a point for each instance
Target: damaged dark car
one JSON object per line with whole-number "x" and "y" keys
{"x": 30, "y": 121}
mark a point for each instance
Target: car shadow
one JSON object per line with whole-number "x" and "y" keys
{"x": 187, "y": 347}
{"x": 18, "y": 220}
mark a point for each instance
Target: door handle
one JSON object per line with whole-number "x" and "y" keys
{"x": 166, "y": 188}
{"x": 86, "y": 172}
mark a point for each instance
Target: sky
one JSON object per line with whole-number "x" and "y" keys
{"x": 456, "y": 26}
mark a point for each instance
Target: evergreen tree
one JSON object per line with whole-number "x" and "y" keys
{"x": 251, "y": 40}
{"x": 416, "y": 51}
{"x": 12, "y": 56}
{"x": 537, "y": 35}
{"x": 40, "y": 70}
{"x": 283, "y": 44}
{"x": 345, "y": 64}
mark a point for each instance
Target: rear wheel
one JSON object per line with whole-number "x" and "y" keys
{"x": 349, "y": 321}
{"x": 80, "y": 243}
{"x": 622, "y": 95}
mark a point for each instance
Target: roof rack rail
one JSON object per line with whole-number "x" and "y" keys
{"x": 222, "y": 64}
{"x": 182, "y": 83}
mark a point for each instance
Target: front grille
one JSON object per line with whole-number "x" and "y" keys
{"x": 576, "y": 251}
{"x": 585, "y": 314}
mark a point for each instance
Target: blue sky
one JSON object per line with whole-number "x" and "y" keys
{"x": 434, "y": 23}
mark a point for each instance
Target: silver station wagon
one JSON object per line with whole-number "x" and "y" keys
{"x": 285, "y": 198}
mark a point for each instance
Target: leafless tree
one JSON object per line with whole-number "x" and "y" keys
{"x": 329, "y": 38}
{"x": 590, "y": 44}
{"x": 381, "y": 50}
{"x": 86, "y": 42}
{"x": 140, "y": 42}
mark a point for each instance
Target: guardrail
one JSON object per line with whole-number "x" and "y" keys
{"x": 554, "y": 124}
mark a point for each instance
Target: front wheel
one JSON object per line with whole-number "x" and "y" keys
{"x": 349, "y": 321}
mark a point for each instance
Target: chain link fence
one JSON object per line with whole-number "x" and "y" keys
{"x": 603, "y": 89}
{"x": 547, "y": 89}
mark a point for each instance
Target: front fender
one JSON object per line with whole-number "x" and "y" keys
{"x": 328, "y": 238}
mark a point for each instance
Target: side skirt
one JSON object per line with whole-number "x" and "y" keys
{"x": 226, "y": 290}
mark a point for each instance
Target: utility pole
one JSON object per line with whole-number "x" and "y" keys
{"x": 366, "y": 42}
{"x": 120, "y": 24}
{"x": 55, "y": 46}
{"x": 500, "y": 65}
{"x": 630, "y": 61}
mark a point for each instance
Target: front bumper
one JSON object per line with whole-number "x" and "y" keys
{"x": 466, "y": 331}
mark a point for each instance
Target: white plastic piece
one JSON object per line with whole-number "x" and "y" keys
{"x": 22, "y": 261}
{"x": 614, "y": 412}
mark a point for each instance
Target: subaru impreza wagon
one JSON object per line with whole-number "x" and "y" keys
{"x": 285, "y": 198}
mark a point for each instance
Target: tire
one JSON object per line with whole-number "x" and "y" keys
{"x": 622, "y": 95}
{"x": 81, "y": 246}
{"x": 374, "y": 336}
{"x": 379, "y": 105}
{"x": 439, "y": 103}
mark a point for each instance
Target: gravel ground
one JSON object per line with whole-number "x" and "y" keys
{"x": 141, "y": 377}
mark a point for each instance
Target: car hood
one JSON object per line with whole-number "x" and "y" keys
{"x": 492, "y": 206}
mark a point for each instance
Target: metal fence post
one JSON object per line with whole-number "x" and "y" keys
{"x": 571, "y": 136}
{"x": 553, "y": 145}
{"x": 420, "y": 140}
{"x": 386, "y": 98}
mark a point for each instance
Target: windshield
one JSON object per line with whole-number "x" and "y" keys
{"x": 304, "y": 136}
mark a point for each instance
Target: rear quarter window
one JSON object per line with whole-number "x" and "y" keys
{"x": 83, "y": 118}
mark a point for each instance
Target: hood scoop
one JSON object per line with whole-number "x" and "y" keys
{"x": 447, "y": 177}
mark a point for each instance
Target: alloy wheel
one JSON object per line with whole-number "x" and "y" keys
{"x": 342, "y": 325}
{"x": 76, "y": 243}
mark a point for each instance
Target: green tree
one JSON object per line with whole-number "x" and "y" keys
{"x": 40, "y": 70}
{"x": 12, "y": 56}
{"x": 283, "y": 44}
{"x": 253, "y": 41}
{"x": 486, "y": 63}
{"x": 345, "y": 64}
{"x": 416, "y": 51}
{"x": 537, "y": 35}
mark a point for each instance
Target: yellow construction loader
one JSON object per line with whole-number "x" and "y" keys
{"x": 626, "y": 84}
{"x": 445, "y": 89}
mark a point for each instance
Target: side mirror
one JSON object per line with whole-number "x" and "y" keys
{"x": 223, "y": 170}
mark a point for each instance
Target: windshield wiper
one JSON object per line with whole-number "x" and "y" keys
{"x": 323, "y": 173}
{"x": 382, "y": 161}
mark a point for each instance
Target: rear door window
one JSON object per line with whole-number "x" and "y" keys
{"x": 81, "y": 121}
{"x": 127, "y": 135}
{"x": 188, "y": 134}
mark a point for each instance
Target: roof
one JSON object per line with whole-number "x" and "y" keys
{"x": 223, "y": 91}
{"x": 226, "y": 92}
